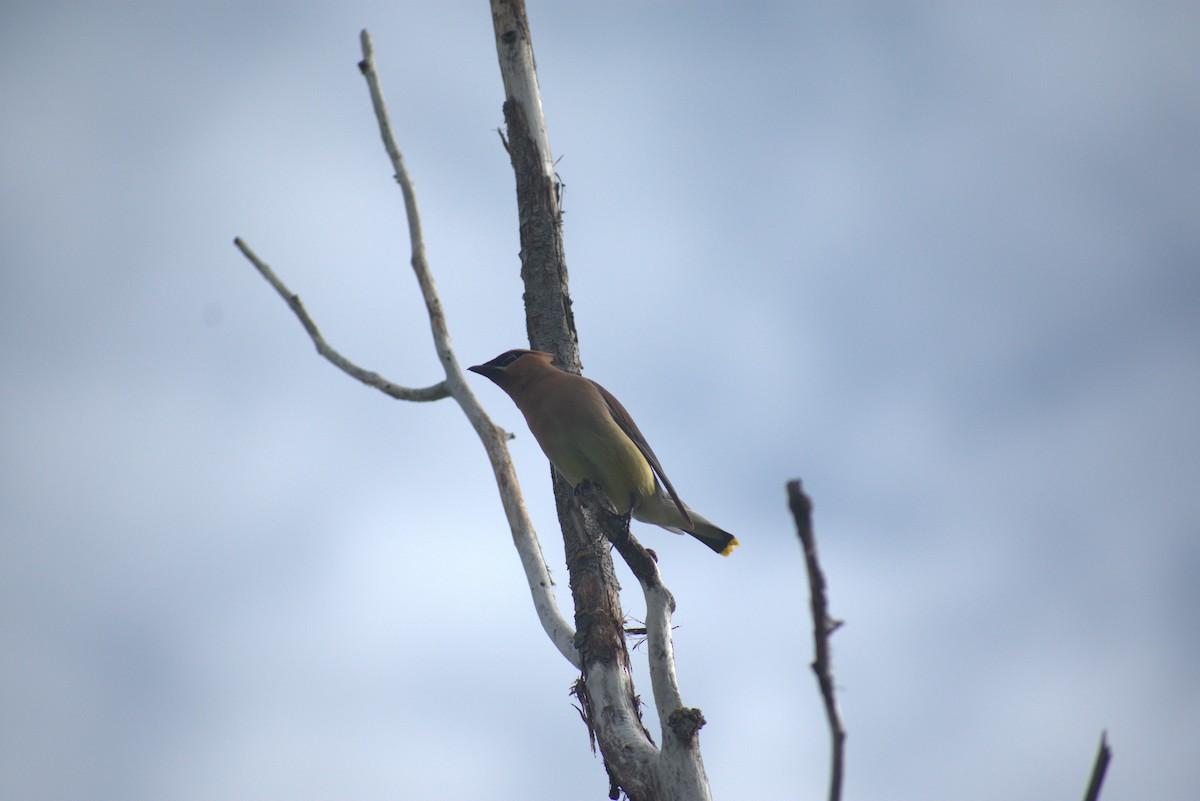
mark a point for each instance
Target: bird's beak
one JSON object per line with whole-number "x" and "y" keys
{"x": 479, "y": 368}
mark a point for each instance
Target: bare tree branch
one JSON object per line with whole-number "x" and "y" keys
{"x": 549, "y": 321}
{"x": 660, "y": 604}
{"x": 634, "y": 765}
{"x": 823, "y": 627}
{"x": 1099, "y": 768}
{"x": 433, "y": 303}
{"x": 675, "y": 770}
{"x": 560, "y": 631}
{"x": 596, "y": 646}
{"x": 371, "y": 379}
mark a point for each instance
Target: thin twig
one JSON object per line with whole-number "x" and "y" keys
{"x": 371, "y": 379}
{"x": 1099, "y": 768}
{"x": 823, "y": 627}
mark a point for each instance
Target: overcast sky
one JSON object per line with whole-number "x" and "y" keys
{"x": 939, "y": 260}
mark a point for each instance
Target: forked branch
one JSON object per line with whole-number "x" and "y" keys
{"x": 454, "y": 384}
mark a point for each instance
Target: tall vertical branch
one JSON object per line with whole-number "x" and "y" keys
{"x": 549, "y": 320}
{"x": 634, "y": 764}
{"x": 823, "y": 627}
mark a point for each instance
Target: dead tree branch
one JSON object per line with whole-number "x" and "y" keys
{"x": 596, "y": 644}
{"x": 371, "y": 379}
{"x": 643, "y": 772}
{"x": 823, "y": 627}
{"x": 1099, "y": 768}
{"x": 679, "y": 724}
{"x": 454, "y": 385}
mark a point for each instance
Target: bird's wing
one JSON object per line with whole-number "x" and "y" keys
{"x": 631, "y": 430}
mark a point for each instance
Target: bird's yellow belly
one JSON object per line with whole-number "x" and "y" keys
{"x": 611, "y": 460}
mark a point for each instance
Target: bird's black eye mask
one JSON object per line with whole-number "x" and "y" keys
{"x": 505, "y": 359}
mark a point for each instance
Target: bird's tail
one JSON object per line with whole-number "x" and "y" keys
{"x": 714, "y": 537}
{"x": 662, "y": 511}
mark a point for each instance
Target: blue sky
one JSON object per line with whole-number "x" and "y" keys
{"x": 939, "y": 260}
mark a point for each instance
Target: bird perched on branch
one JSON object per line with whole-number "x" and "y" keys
{"x": 587, "y": 434}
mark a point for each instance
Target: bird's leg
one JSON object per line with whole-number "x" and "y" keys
{"x": 582, "y": 488}
{"x": 615, "y": 527}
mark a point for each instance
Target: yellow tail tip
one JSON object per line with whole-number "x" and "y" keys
{"x": 733, "y": 543}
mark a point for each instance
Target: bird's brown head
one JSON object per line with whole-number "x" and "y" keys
{"x": 513, "y": 368}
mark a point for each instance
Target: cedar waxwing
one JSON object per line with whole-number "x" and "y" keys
{"x": 587, "y": 434}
